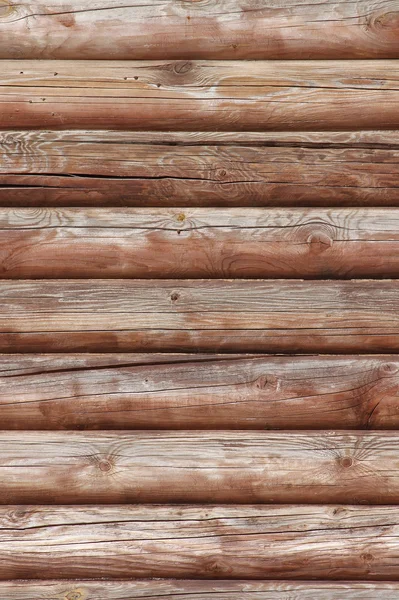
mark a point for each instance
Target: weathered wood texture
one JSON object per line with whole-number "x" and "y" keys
{"x": 196, "y": 590}
{"x": 202, "y": 95}
{"x": 201, "y": 315}
{"x": 198, "y": 242}
{"x": 177, "y": 391}
{"x": 109, "y": 168}
{"x": 203, "y": 467}
{"x": 251, "y": 542}
{"x": 206, "y": 29}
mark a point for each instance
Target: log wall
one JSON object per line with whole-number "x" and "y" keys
{"x": 199, "y": 300}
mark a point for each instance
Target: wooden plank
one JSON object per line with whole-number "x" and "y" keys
{"x": 201, "y": 95}
{"x": 193, "y": 391}
{"x": 203, "y": 467}
{"x": 201, "y": 315}
{"x": 223, "y": 29}
{"x": 197, "y": 590}
{"x": 236, "y": 542}
{"x": 61, "y": 168}
{"x": 199, "y": 242}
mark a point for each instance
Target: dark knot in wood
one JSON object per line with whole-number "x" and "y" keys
{"x": 388, "y": 369}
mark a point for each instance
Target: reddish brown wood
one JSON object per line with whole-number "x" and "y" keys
{"x": 227, "y": 29}
{"x": 175, "y": 391}
{"x": 237, "y": 542}
{"x": 200, "y": 95}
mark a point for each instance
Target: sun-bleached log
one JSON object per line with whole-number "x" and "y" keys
{"x": 222, "y": 542}
{"x": 174, "y": 589}
{"x": 202, "y": 467}
{"x": 199, "y": 242}
{"x": 102, "y": 315}
{"x": 200, "y": 95}
{"x": 193, "y": 391}
{"x": 180, "y": 169}
{"x": 225, "y": 29}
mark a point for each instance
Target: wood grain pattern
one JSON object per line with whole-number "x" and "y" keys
{"x": 198, "y": 242}
{"x": 201, "y": 315}
{"x": 237, "y": 542}
{"x": 206, "y": 29}
{"x": 197, "y": 590}
{"x": 108, "y": 168}
{"x": 193, "y": 391}
{"x": 201, "y": 95}
{"x": 202, "y": 467}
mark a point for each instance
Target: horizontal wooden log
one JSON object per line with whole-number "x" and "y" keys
{"x": 198, "y": 242}
{"x": 202, "y": 95}
{"x": 203, "y": 467}
{"x": 177, "y": 391}
{"x": 201, "y": 315}
{"x": 227, "y": 29}
{"x": 196, "y": 590}
{"x": 108, "y": 168}
{"x": 236, "y": 542}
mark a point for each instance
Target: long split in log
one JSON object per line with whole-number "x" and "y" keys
{"x": 119, "y": 168}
